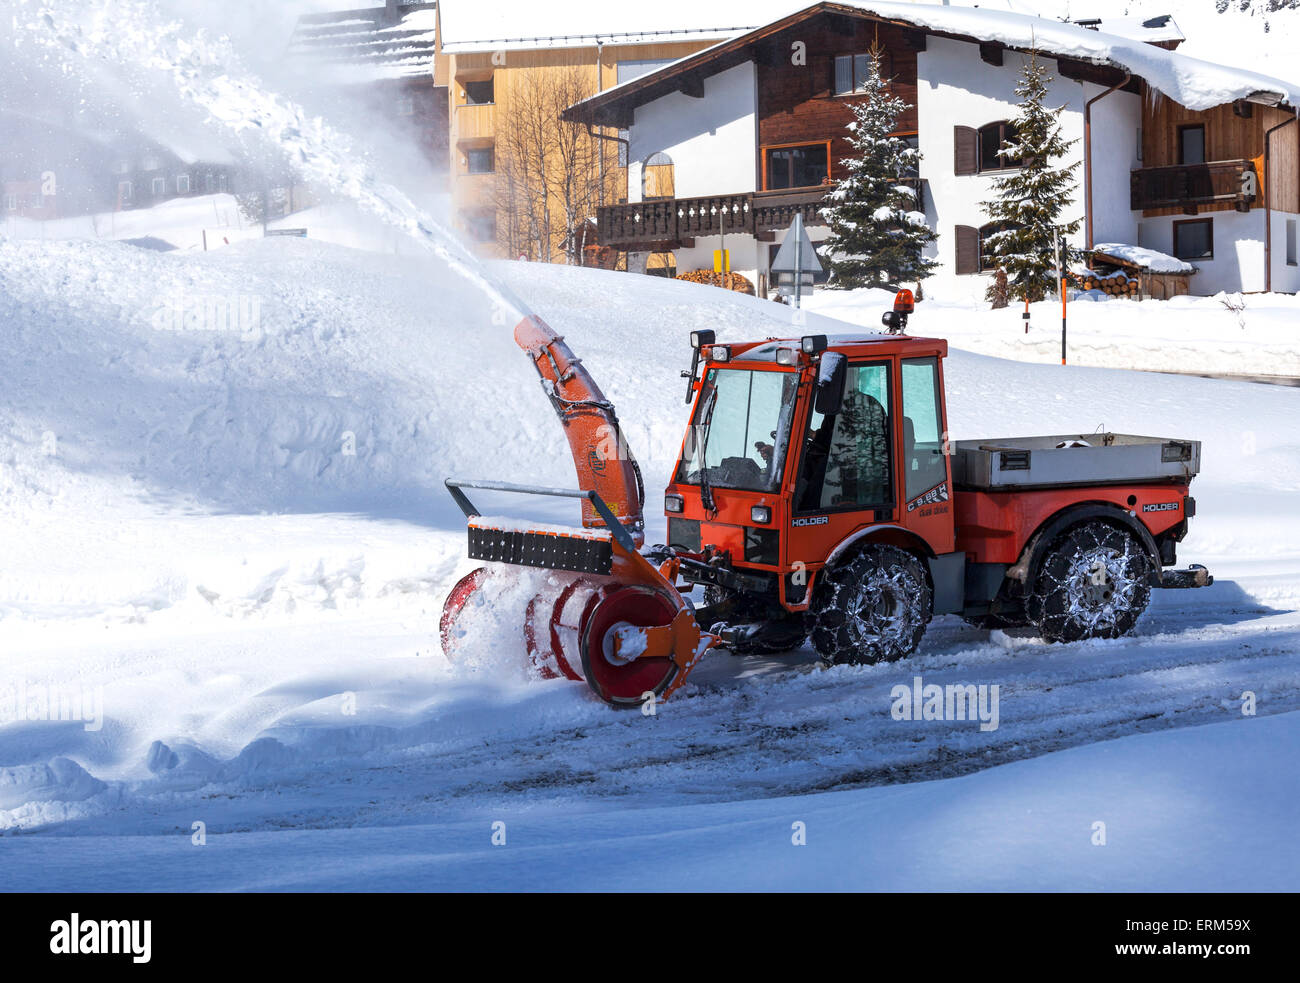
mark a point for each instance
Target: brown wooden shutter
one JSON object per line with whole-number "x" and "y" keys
{"x": 965, "y": 142}
{"x": 968, "y": 249}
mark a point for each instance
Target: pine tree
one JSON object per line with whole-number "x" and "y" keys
{"x": 1030, "y": 201}
{"x": 878, "y": 234}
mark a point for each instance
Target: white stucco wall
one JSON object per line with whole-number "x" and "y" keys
{"x": 1285, "y": 278}
{"x": 749, "y": 257}
{"x": 713, "y": 145}
{"x": 1116, "y": 120}
{"x": 1238, "y": 263}
{"x": 712, "y": 141}
{"x": 956, "y": 88}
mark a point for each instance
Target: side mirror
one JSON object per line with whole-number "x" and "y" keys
{"x": 833, "y": 372}
{"x": 699, "y": 339}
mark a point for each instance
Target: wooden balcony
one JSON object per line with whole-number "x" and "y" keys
{"x": 1191, "y": 186}
{"x": 670, "y": 223}
{"x": 475, "y": 122}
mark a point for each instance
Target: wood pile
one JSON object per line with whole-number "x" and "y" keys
{"x": 1113, "y": 284}
{"x": 729, "y": 281}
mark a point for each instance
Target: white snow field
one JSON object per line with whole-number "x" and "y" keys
{"x": 227, "y": 544}
{"x": 1251, "y": 335}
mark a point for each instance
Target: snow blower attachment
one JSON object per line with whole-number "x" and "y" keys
{"x": 817, "y": 497}
{"x": 606, "y": 616}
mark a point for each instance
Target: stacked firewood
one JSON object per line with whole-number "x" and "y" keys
{"x": 1114, "y": 284}
{"x": 729, "y": 281}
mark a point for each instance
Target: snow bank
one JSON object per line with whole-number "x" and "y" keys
{"x": 1186, "y": 334}
{"x": 1197, "y": 809}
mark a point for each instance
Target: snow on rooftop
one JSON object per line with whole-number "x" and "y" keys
{"x": 1194, "y": 83}
{"x": 1147, "y": 259}
{"x": 475, "y": 25}
{"x": 1148, "y": 29}
{"x": 360, "y": 50}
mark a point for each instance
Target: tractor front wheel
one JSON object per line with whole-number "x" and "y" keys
{"x": 874, "y": 608}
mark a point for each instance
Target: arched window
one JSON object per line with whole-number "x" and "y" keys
{"x": 657, "y": 179}
{"x": 991, "y": 138}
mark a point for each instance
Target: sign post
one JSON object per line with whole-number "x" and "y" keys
{"x": 797, "y": 257}
{"x": 1060, "y": 279}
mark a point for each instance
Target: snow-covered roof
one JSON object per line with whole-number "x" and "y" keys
{"x": 365, "y": 45}
{"x": 1193, "y": 82}
{"x": 1152, "y": 30}
{"x": 1143, "y": 258}
{"x": 492, "y": 25}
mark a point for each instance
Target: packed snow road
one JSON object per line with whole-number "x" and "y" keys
{"x": 426, "y": 743}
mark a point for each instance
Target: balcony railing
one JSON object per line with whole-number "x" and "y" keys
{"x": 664, "y": 223}
{"x": 1188, "y": 186}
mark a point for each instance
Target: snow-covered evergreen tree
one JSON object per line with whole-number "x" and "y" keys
{"x": 878, "y": 234}
{"x": 1030, "y": 201}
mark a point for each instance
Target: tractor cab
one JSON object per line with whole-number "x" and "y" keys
{"x": 797, "y": 446}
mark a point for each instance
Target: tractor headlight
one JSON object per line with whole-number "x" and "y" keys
{"x": 787, "y": 356}
{"x": 760, "y": 514}
{"x": 674, "y": 503}
{"x": 813, "y": 343}
{"x": 720, "y": 353}
{"x": 701, "y": 338}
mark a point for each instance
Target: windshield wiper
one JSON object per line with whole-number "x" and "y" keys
{"x": 706, "y": 490}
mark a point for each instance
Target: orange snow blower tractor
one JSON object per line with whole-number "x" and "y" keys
{"x": 818, "y": 498}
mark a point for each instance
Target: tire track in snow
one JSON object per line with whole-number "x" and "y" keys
{"x": 748, "y": 728}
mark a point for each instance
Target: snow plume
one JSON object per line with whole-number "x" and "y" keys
{"x": 146, "y": 63}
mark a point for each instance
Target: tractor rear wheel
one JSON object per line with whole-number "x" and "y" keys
{"x": 874, "y": 608}
{"x": 1093, "y": 582}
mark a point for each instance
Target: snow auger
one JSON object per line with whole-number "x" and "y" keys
{"x": 608, "y": 616}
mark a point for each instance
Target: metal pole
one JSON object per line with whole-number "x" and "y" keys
{"x": 798, "y": 271}
{"x": 1060, "y": 279}
{"x": 1062, "y": 320}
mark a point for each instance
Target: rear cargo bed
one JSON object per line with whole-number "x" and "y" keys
{"x": 1064, "y": 460}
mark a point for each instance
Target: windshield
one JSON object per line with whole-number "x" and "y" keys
{"x": 741, "y": 430}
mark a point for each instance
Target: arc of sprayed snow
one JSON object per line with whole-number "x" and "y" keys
{"x": 234, "y": 98}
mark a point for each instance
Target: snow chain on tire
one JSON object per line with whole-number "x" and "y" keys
{"x": 1093, "y": 582}
{"x": 873, "y": 608}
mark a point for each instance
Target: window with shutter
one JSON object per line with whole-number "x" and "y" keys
{"x": 965, "y": 150}
{"x": 968, "y": 249}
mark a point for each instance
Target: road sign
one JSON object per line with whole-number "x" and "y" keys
{"x": 797, "y": 256}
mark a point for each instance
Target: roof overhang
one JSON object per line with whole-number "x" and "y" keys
{"x": 1083, "y": 54}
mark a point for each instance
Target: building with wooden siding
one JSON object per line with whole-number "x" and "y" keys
{"x": 1172, "y": 149}
{"x": 496, "y": 56}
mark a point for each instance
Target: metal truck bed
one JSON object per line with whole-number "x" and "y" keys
{"x": 1063, "y": 460}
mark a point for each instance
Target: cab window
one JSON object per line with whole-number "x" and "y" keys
{"x": 922, "y": 458}
{"x": 846, "y": 460}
